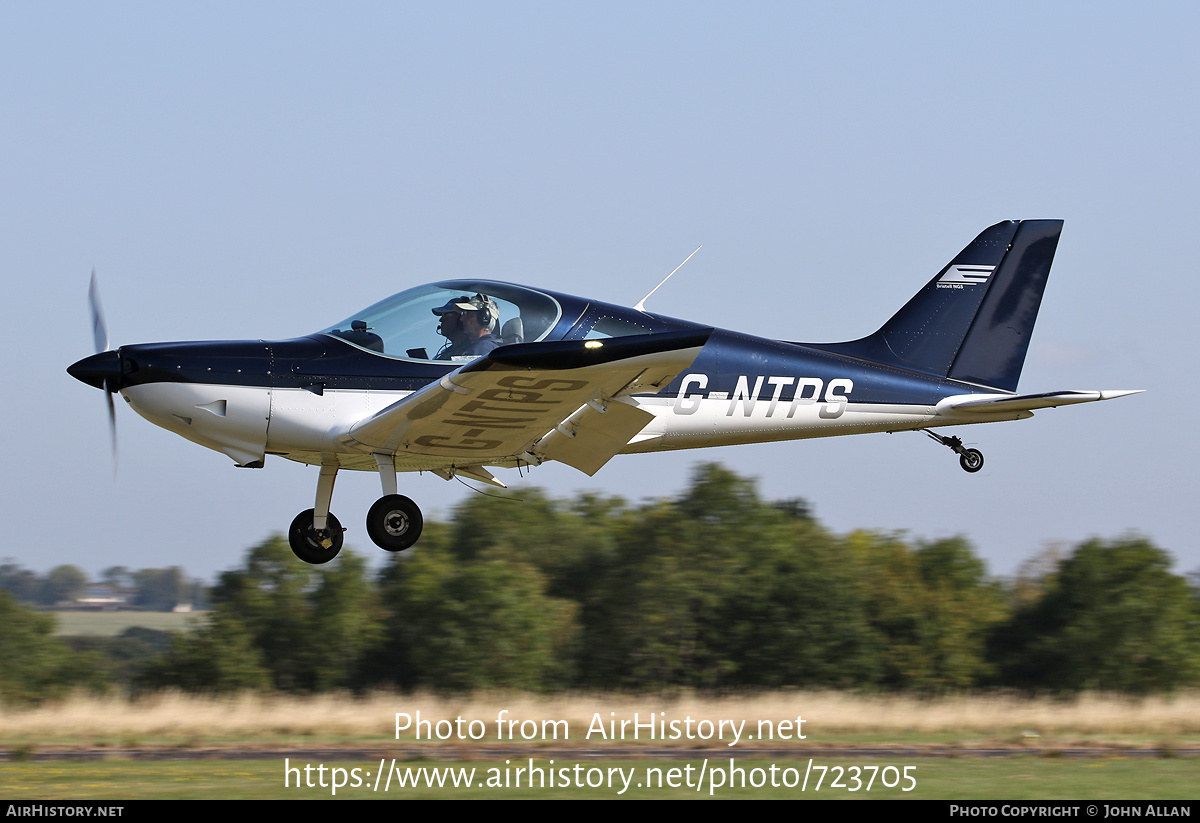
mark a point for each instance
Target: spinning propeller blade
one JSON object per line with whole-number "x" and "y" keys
{"x": 100, "y": 337}
{"x": 99, "y": 327}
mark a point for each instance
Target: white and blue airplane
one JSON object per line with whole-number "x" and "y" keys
{"x": 462, "y": 376}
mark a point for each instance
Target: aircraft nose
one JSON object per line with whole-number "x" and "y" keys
{"x": 101, "y": 370}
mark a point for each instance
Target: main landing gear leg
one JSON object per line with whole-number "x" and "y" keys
{"x": 316, "y": 535}
{"x": 971, "y": 460}
{"x": 394, "y": 522}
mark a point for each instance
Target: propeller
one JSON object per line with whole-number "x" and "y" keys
{"x": 100, "y": 338}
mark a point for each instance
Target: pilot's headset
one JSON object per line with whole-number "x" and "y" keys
{"x": 488, "y": 311}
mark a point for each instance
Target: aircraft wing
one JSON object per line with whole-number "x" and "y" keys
{"x": 986, "y": 405}
{"x": 534, "y": 401}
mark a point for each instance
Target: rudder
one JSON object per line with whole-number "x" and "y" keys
{"x": 993, "y": 352}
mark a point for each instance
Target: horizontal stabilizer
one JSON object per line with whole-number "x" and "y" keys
{"x": 968, "y": 405}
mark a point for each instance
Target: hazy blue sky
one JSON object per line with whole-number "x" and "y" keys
{"x": 261, "y": 170}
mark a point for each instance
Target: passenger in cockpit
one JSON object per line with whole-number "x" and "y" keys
{"x": 469, "y": 324}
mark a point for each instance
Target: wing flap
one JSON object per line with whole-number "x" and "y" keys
{"x": 593, "y": 435}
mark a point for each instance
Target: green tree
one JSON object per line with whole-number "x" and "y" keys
{"x": 562, "y": 539}
{"x": 35, "y": 665}
{"x": 278, "y": 622}
{"x": 159, "y": 589}
{"x": 118, "y": 577}
{"x": 219, "y": 657}
{"x": 63, "y": 583}
{"x": 1113, "y": 617}
{"x": 345, "y": 621}
{"x": 21, "y": 583}
{"x": 930, "y": 608}
{"x": 487, "y": 622}
{"x": 961, "y": 606}
{"x": 120, "y": 659}
{"x": 311, "y": 623}
{"x": 720, "y": 589}
{"x": 567, "y": 544}
{"x": 794, "y": 613}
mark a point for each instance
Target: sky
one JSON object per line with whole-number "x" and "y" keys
{"x": 262, "y": 170}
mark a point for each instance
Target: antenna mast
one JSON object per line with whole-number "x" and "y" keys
{"x": 641, "y": 304}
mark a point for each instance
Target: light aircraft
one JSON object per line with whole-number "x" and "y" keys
{"x": 396, "y": 388}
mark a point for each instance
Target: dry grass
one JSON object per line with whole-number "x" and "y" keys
{"x": 830, "y": 718}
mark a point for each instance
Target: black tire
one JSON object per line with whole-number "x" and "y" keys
{"x": 971, "y": 460}
{"x": 394, "y": 523}
{"x": 303, "y": 539}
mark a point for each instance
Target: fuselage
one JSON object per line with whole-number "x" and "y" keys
{"x": 299, "y": 398}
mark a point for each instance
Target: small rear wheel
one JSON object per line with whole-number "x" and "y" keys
{"x": 971, "y": 460}
{"x": 394, "y": 523}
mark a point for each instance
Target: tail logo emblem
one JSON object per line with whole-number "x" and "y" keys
{"x": 956, "y": 277}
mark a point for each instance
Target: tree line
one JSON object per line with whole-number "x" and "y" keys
{"x": 715, "y": 589}
{"x": 64, "y": 585}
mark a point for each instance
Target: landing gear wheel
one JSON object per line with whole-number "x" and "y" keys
{"x": 394, "y": 522}
{"x": 971, "y": 460}
{"x": 314, "y": 546}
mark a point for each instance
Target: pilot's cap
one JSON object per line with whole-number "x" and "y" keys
{"x": 457, "y": 304}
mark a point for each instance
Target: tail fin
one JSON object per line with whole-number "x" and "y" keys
{"x": 972, "y": 322}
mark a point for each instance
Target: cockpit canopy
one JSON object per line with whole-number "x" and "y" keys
{"x": 405, "y": 326}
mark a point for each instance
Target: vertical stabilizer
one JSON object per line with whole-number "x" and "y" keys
{"x": 973, "y": 320}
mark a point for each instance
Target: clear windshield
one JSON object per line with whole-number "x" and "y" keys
{"x": 404, "y": 325}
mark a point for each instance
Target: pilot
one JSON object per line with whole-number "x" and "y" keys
{"x": 469, "y": 325}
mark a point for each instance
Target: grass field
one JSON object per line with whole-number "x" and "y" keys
{"x": 1021, "y": 777}
{"x": 830, "y": 719}
{"x": 111, "y": 624}
{"x": 566, "y": 728}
